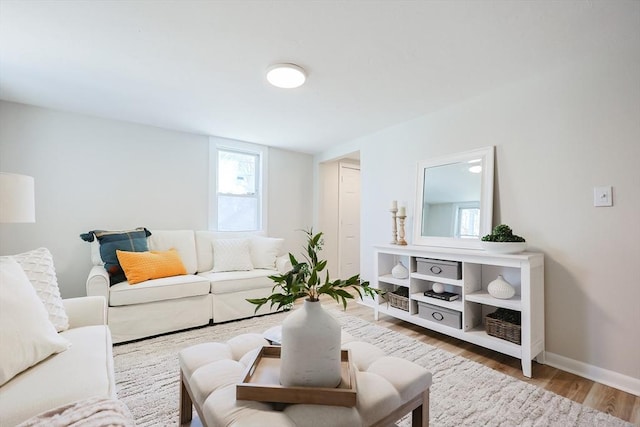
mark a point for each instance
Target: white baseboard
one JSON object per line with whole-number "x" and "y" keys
{"x": 612, "y": 379}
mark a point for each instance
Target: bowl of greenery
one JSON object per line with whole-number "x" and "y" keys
{"x": 503, "y": 241}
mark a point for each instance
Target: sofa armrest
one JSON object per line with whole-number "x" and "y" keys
{"x": 86, "y": 311}
{"x": 98, "y": 283}
{"x": 283, "y": 264}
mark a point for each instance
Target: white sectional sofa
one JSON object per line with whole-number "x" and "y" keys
{"x": 202, "y": 296}
{"x": 84, "y": 370}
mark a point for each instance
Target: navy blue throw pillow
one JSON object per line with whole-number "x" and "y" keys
{"x": 110, "y": 241}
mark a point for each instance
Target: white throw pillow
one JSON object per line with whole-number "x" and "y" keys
{"x": 38, "y": 265}
{"x": 26, "y": 334}
{"x": 264, "y": 251}
{"x": 231, "y": 255}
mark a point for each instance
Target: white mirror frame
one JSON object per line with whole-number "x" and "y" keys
{"x": 486, "y": 199}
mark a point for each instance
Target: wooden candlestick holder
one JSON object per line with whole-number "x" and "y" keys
{"x": 401, "y": 240}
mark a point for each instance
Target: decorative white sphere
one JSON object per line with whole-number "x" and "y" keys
{"x": 501, "y": 289}
{"x": 438, "y": 288}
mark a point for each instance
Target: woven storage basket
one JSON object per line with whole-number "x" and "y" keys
{"x": 504, "y": 324}
{"x": 399, "y": 301}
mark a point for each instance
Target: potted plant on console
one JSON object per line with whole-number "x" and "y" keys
{"x": 311, "y": 337}
{"x": 503, "y": 241}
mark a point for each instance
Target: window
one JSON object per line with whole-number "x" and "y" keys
{"x": 238, "y": 182}
{"x": 467, "y": 221}
{"x": 238, "y": 190}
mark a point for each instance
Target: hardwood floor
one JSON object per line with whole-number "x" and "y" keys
{"x": 589, "y": 393}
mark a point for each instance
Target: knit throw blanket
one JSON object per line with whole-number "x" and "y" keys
{"x": 93, "y": 412}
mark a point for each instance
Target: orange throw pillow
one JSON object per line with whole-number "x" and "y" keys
{"x": 141, "y": 266}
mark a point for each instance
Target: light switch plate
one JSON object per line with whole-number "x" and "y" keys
{"x": 602, "y": 196}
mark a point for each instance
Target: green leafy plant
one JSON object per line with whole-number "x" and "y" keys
{"x": 304, "y": 280}
{"x": 502, "y": 233}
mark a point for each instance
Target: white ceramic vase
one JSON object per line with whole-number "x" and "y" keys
{"x": 400, "y": 271}
{"x": 501, "y": 289}
{"x": 310, "y": 354}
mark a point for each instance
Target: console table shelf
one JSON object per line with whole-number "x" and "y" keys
{"x": 483, "y": 297}
{"x": 525, "y": 271}
{"x": 388, "y": 278}
{"x": 453, "y": 305}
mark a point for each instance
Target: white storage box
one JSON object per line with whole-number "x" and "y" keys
{"x": 441, "y": 315}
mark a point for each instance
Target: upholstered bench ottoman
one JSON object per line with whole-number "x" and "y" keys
{"x": 387, "y": 389}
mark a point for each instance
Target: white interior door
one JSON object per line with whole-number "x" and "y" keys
{"x": 349, "y": 221}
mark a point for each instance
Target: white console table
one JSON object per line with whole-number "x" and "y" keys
{"x": 525, "y": 271}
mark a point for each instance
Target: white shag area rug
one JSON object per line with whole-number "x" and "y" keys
{"x": 464, "y": 393}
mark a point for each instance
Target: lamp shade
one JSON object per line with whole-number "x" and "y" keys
{"x": 17, "y": 198}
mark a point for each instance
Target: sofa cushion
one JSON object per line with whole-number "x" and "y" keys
{"x": 232, "y": 255}
{"x": 238, "y": 281}
{"x": 204, "y": 244}
{"x": 38, "y": 265}
{"x": 82, "y": 371}
{"x": 142, "y": 266}
{"x": 162, "y": 289}
{"x": 181, "y": 240}
{"x": 27, "y": 337}
{"x": 264, "y": 251}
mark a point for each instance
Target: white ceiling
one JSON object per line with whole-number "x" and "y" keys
{"x": 198, "y": 66}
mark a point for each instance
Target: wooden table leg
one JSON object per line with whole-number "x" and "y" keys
{"x": 186, "y": 405}
{"x": 420, "y": 415}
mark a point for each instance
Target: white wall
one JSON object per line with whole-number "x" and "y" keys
{"x": 556, "y": 137}
{"x": 290, "y": 197}
{"x": 93, "y": 173}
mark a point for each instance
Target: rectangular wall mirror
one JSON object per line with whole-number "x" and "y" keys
{"x": 454, "y": 202}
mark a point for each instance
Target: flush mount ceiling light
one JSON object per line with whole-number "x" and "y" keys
{"x": 286, "y": 76}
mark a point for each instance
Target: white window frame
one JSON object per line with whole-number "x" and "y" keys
{"x": 217, "y": 143}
